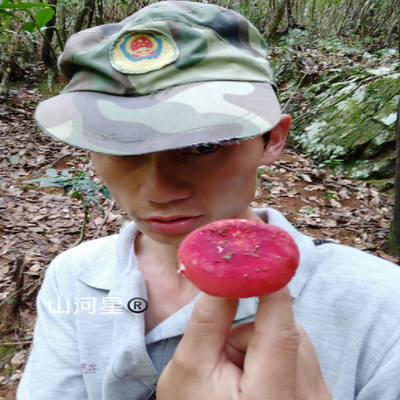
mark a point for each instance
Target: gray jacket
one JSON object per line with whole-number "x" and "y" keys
{"x": 90, "y": 341}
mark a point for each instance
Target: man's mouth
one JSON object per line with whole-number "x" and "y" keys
{"x": 172, "y": 225}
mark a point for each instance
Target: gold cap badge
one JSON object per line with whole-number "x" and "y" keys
{"x": 142, "y": 51}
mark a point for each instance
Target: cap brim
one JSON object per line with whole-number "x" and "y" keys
{"x": 181, "y": 116}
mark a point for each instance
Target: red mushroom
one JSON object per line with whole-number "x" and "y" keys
{"x": 238, "y": 258}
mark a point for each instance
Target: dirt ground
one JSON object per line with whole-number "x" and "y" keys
{"x": 36, "y": 224}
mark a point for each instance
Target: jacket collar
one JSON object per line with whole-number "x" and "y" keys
{"x": 304, "y": 243}
{"x": 114, "y": 277}
{"x": 109, "y": 270}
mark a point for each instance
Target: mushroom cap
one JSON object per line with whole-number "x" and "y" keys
{"x": 237, "y": 258}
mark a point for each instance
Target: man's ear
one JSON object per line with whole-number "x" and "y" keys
{"x": 277, "y": 140}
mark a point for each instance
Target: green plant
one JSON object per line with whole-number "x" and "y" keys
{"x": 79, "y": 186}
{"x": 39, "y": 18}
{"x": 6, "y": 354}
{"x": 328, "y": 195}
{"x": 332, "y": 162}
{"x": 23, "y": 25}
{"x": 77, "y": 183}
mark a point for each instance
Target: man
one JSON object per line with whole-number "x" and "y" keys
{"x": 177, "y": 105}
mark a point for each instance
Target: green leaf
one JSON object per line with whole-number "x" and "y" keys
{"x": 66, "y": 172}
{"x": 52, "y": 172}
{"x": 13, "y": 159}
{"x": 5, "y": 12}
{"x": 67, "y": 188}
{"x": 43, "y": 16}
{"x": 76, "y": 195}
{"x": 21, "y": 6}
{"x": 44, "y": 28}
{"x": 50, "y": 183}
{"x": 105, "y": 192}
{"x": 36, "y": 180}
{"x": 29, "y": 26}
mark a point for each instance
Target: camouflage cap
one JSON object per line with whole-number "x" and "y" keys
{"x": 172, "y": 75}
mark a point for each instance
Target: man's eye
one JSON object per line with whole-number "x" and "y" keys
{"x": 203, "y": 149}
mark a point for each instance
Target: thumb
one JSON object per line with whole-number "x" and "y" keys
{"x": 205, "y": 336}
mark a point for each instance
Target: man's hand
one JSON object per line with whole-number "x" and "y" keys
{"x": 270, "y": 359}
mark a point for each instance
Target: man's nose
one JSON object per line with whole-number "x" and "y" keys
{"x": 164, "y": 180}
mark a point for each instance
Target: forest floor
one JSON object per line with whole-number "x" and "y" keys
{"x": 36, "y": 224}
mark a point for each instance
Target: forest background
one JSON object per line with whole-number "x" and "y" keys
{"x": 337, "y": 67}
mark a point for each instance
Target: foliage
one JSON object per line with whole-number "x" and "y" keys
{"x": 6, "y": 354}
{"x": 21, "y": 28}
{"x": 23, "y": 23}
{"x": 39, "y": 18}
{"x": 76, "y": 183}
{"x": 309, "y": 38}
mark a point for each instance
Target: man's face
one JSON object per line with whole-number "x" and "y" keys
{"x": 168, "y": 194}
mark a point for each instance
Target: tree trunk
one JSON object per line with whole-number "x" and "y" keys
{"x": 361, "y": 16}
{"x": 100, "y": 13}
{"x": 326, "y": 13}
{"x": 396, "y": 214}
{"x": 48, "y": 55}
{"x": 291, "y": 22}
{"x": 394, "y": 28}
{"x": 341, "y": 31}
{"x": 86, "y": 7}
{"x": 276, "y": 18}
{"x": 393, "y": 244}
{"x": 312, "y": 14}
{"x": 383, "y": 18}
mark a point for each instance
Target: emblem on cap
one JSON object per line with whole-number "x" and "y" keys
{"x": 139, "y": 52}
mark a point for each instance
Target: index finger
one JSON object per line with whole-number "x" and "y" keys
{"x": 205, "y": 336}
{"x": 271, "y": 358}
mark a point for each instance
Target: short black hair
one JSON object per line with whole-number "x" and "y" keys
{"x": 266, "y": 136}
